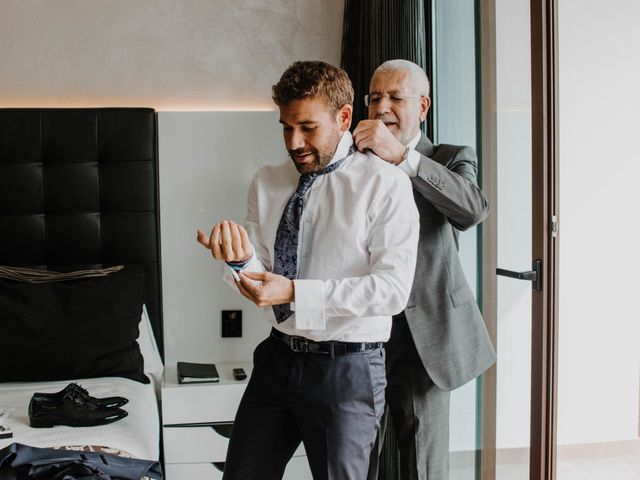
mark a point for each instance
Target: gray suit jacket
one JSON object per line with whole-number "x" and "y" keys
{"x": 445, "y": 322}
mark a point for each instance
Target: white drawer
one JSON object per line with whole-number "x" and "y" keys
{"x": 297, "y": 469}
{"x": 201, "y": 403}
{"x": 195, "y": 444}
{"x": 194, "y": 471}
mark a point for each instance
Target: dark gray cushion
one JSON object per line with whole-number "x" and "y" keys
{"x": 73, "y": 329}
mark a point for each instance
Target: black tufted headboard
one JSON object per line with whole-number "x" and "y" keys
{"x": 79, "y": 189}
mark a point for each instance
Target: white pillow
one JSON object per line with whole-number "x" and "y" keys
{"x": 153, "y": 365}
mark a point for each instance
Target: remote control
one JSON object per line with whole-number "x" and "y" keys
{"x": 239, "y": 374}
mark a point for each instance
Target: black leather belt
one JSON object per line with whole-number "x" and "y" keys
{"x": 334, "y": 349}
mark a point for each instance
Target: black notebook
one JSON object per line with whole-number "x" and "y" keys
{"x": 197, "y": 372}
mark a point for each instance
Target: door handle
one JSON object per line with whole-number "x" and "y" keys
{"x": 534, "y": 275}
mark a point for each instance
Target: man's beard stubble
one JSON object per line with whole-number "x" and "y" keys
{"x": 322, "y": 156}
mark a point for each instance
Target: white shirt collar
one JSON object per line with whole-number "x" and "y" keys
{"x": 343, "y": 146}
{"x": 412, "y": 144}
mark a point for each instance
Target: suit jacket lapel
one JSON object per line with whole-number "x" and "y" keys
{"x": 425, "y": 147}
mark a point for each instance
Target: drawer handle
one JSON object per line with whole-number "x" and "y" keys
{"x": 218, "y": 465}
{"x": 223, "y": 429}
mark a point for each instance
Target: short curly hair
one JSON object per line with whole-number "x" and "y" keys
{"x": 313, "y": 79}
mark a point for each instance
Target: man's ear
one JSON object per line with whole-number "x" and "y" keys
{"x": 344, "y": 117}
{"x": 425, "y": 103}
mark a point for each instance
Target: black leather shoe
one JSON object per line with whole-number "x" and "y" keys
{"x": 73, "y": 410}
{"x": 108, "y": 402}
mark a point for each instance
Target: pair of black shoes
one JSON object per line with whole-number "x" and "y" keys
{"x": 73, "y": 406}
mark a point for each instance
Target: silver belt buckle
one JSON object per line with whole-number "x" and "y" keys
{"x": 299, "y": 344}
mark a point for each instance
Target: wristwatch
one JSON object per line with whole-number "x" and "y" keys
{"x": 405, "y": 155}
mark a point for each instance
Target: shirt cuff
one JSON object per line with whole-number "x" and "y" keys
{"x": 309, "y": 305}
{"x": 411, "y": 164}
{"x": 237, "y": 266}
{"x": 251, "y": 265}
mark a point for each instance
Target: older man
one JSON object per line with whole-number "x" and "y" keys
{"x": 439, "y": 342}
{"x": 330, "y": 250}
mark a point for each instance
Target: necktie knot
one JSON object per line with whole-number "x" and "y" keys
{"x": 304, "y": 182}
{"x": 306, "y": 179}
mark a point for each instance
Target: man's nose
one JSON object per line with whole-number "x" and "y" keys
{"x": 382, "y": 106}
{"x": 295, "y": 141}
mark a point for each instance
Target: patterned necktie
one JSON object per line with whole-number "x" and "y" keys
{"x": 286, "y": 246}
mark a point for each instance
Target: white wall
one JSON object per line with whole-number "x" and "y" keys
{"x": 599, "y": 354}
{"x": 207, "y": 160}
{"x": 166, "y": 54}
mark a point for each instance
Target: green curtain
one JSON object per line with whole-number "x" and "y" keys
{"x": 378, "y": 30}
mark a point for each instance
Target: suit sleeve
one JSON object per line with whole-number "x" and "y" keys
{"x": 452, "y": 188}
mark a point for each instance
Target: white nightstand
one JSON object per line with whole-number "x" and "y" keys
{"x": 197, "y": 420}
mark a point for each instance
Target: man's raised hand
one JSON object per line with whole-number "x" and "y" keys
{"x": 228, "y": 242}
{"x": 376, "y": 136}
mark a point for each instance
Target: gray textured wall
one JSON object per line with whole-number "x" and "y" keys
{"x": 167, "y": 54}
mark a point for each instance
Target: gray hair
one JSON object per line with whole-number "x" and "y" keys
{"x": 418, "y": 76}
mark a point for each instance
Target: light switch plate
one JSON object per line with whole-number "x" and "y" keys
{"x": 231, "y": 323}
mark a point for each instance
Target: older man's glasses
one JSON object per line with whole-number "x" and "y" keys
{"x": 376, "y": 98}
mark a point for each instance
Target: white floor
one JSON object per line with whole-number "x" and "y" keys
{"x": 625, "y": 467}
{"x": 609, "y": 468}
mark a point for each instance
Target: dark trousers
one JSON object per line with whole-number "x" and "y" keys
{"x": 332, "y": 405}
{"x": 418, "y": 409}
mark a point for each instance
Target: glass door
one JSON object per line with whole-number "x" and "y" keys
{"x": 493, "y": 87}
{"x": 455, "y": 121}
{"x": 508, "y": 233}
{"x": 482, "y": 97}
{"x": 563, "y": 400}
{"x": 519, "y": 279}
{"x": 518, "y": 119}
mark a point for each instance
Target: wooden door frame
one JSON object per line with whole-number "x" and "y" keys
{"x": 489, "y": 154}
{"x": 544, "y": 331}
{"x": 544, "y": 328}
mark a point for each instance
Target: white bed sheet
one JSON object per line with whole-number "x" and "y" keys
{"x": 138, "y": 433}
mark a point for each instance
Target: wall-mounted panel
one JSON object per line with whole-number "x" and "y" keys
{"x": 207, "y": 160}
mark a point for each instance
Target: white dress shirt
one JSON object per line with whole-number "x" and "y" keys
{"x": 412, "y": 163}
{"x": 356, "y": 248}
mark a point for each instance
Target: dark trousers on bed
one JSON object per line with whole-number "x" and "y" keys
{"x": 332, "y": 405}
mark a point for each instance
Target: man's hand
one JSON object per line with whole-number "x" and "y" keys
{"x": 265, "y": 288}
{"x": 228, "y": 242}
{"x": 376, "y": 136}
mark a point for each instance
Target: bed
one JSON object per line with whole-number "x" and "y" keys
{"x": 78, "y": 191}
